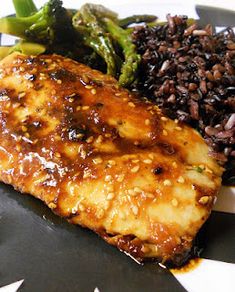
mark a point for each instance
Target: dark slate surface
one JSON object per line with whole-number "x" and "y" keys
{"x": 52, "y": 255}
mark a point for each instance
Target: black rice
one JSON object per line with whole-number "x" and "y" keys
{"x": 190, "y": 73}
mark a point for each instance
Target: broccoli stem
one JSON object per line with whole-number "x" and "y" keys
{"x": 13, "y": 26}
{"x": 24, "y": 8}
{"x": 18, "y": 26}
{"x": 26, "y": 48}
{"x": 4, "y": 51}
{"x": 132, "y": 59}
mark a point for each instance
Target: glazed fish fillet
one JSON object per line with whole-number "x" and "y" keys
{"x": 103, "y": 159}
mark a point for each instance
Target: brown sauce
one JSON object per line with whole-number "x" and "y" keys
{"x": 191, "y": 265}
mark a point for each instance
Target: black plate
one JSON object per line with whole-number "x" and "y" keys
{"x": 52, "y": 255}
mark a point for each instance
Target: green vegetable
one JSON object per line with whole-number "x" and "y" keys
{"x": 24, "y": 7}
{"x": 87, "y": 23}
{"x": 132, "y": 59}
{"x": 24, "y": 48}
{"x": 48, "y": 25}
{"x": 4, "y": 51}
{"x": 136, "y": 19}
{"x": 198, "y": 169}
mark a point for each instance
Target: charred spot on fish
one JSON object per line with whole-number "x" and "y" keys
{"x": 158, "y": 170}
{"x": 96, "y": 82}
{"x": 99, "y": 105}
{"x": 69, "y": 110}
{"x": 3, "y": 92}
{"x": 37, "y": 124}
{"x": 77, "y": 134}
{"x": 166, "y": 148}
{"x": 30, "y": 60}
{"x": 73, "y": 97}
{"x": 63, "y": 75}
{"x": 30, "y": 77}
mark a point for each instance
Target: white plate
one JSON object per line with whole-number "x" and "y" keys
{"x": 209, "y": 275}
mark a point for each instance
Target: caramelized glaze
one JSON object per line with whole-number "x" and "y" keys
{"x": 101, "y": 158}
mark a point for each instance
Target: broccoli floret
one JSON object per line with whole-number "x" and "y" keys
{"x": 51, "y": 24}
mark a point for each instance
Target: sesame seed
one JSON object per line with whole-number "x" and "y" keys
{"x": 78, "y": 108}
{"x": 18, "y": 148}
{"x": 27, "y": 135}
{"x": 90, "y": 139}
{"x": 174, "y": 164}
{"x": 59, "y": 81}
{"x": 93, "y": 91}
{"x": 178, "y": 128}
{"x": 120, "y": 177}
{"x": 106, "y": 205}
{"x": 135, "y": 169}
{"x": 149, "y": 108}
{"x": 174, "y": 202}
{"x": 164, "y": 132}
{"x": 131, "y": 192}
{"x": 52, "y": 205}
{"x": 57, "y": 154}
{"x": 135, "y": 210}
{"x": 81, "y": 207}
{"x": 16, "y": 105}
{"x": 108, "y": 178}
{"x": 149, "y": 195}
{"x": 122, "y": 215}
{"x": 86, "y": 174}
{"x": 204, "y": 200}
{"x": 147, "y": 122}
{"x": 176, "y": 121}
{"x": 135, "y": 160}
{"x": 112, "y": 162}
{"x": 110, "y": 188}
{"x": 137, "y": 190}
{"x": 85, "y": 107}
{"x": 24, "y": 129}
{"x": 97, "y": 160}
{"x": 167, "y": 182}
{"x": 125, "y": 99}
{"x": 83, "y": 153}
{"x": 180, "y": 180}
{"x": 8, "y": 104}
{"x": 71, "y": 99}
{"x": 147, "y": 161}
{"x": 100, "y": 213}
{"x": 108, "y": 135}
{"x": 110, "y": 196}
{"x": 85, "y": 78}
{"x": 79, "y": 136}
{"x": 164, "y": 119}
{"x": 131, "y": 104}
{"x": 88, "y": 87}
{"x": 151, "y": 156}
{"x": 208, "y": 170}
{"x": 22, "y": 94}
{"x": 118, "y": 94}
{"x": 99, "y": 139}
